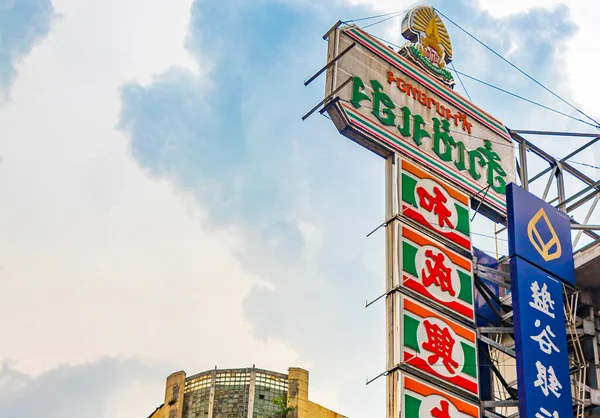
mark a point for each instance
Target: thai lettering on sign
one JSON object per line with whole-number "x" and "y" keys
{"x": 483, "y": 161}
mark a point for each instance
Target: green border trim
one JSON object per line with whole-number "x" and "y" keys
{"x": 495, "y": 199}
{"x": 435, "y": 85}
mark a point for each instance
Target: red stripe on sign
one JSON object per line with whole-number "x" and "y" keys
{"x": 459, "y": 381}
{"x": 416, "y": 171}
{"x": 454, "y": 305}
{"x": 355, "y": 118}
{"x": 422, "y": 240}
{"x": 426, "y": 390}
{"x": 416, "y": 156}
{"x": 452, "y": 236}
{"x": 423, "y": 311}
{"x": 411, "y": 71}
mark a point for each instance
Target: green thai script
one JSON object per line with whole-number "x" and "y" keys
{"x": 478, "y": 163}
{"x": 444, "y": 73}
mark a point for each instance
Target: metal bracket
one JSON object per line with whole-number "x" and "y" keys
{"x": 326, "y": 99}
{"x": 329, "y": 64}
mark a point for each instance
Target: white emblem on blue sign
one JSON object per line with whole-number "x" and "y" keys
{"x": 546, "y": 380}
{"x": 544, "y": 340}
{"x": 542, "y": 301}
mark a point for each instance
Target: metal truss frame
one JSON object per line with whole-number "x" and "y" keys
{"x": 578, "y": 362}
{"x": 566, "y": 200}
{"x": 582, "y": 192}
{"x": 500, "y": 342}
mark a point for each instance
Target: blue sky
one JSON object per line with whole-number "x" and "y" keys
{"x": 22, "y": 25}
{"x": 177, "y": 213}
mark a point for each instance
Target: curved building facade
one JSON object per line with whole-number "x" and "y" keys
{"x": 245, "y": 392}
{"x": 239, "y": 393}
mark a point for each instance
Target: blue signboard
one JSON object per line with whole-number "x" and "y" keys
{"x": 485, "y": 315}
{"x": 539, "y": 233}
{"x": 540, "y": 343}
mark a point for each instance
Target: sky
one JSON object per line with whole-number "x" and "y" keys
{"x": 165, "y": 208}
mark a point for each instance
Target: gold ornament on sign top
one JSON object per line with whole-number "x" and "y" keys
{"x": 429, "y": 43}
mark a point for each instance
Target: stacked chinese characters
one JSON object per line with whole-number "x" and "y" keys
{"x": 437, "y": 367}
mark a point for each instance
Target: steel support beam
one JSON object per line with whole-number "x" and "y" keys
{"x": 500, "y": 404}
{"x": 491, "y": 414}
{"x": 498, "y": 330}
{"x": 559, "y": 167}
{"x": 329, "y": 64}
{"x": 552, "y": 133}
{"x": 523, "y": 165}
{"x": 585, "y": 227}
{"x": 497, "y": 346}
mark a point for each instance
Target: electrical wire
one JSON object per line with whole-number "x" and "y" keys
{"x": 383, "y": 20}
{"x": 459, "y": 73}
{"x": 441, "y": 226}
{"x": 524, "y": 99}
{"x": 489, "y": 236}
{"x": 585, "y": 164}
{"x": 372, "y": 17}
{"x": 461, "y": 82}
{"x": 515, "y": 147}
{"x": 597, "y": 124}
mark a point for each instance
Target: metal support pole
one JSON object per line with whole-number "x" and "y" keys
{"x": 392, "y": 280}
{"x": 585, "y": 227}
{"x": 587, "y": 218}
{"x": 560, "y": 184}
{"x": 550, "y": 179}
{"x": 329, "y": 64}
{"x": 523, "y": 165}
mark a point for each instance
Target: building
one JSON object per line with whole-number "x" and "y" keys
{"x": 239, "y": 393}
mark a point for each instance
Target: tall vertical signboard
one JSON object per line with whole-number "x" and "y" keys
{"x": 443, "y": 156}
{"x": 434, "y": 307}
{"x": 541, "y": 259}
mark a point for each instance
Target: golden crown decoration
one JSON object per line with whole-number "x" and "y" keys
{"x": 429, "y": 44}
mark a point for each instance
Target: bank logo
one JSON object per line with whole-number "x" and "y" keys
{"x": 543, "y": 237}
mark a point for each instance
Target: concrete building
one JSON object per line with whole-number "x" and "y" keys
{"x": 239, "y": 393}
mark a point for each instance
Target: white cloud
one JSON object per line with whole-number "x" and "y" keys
{"x": 502, "y": 8}
{"x": 579, "y": 57}
{"x": 96, "y": 258}
{"x": 384, "y": 6}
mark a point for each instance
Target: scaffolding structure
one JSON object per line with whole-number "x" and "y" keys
{"x": 581, "y": 304}
{"x": 566, "y": 188}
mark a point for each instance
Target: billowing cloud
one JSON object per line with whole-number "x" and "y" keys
{"x": 302, "y": 196}
{"x": 99, "y": 259}
{"x": 23, "y": 23}
{"x": 75, "y": 390}
{"x": 96, "y": 258}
